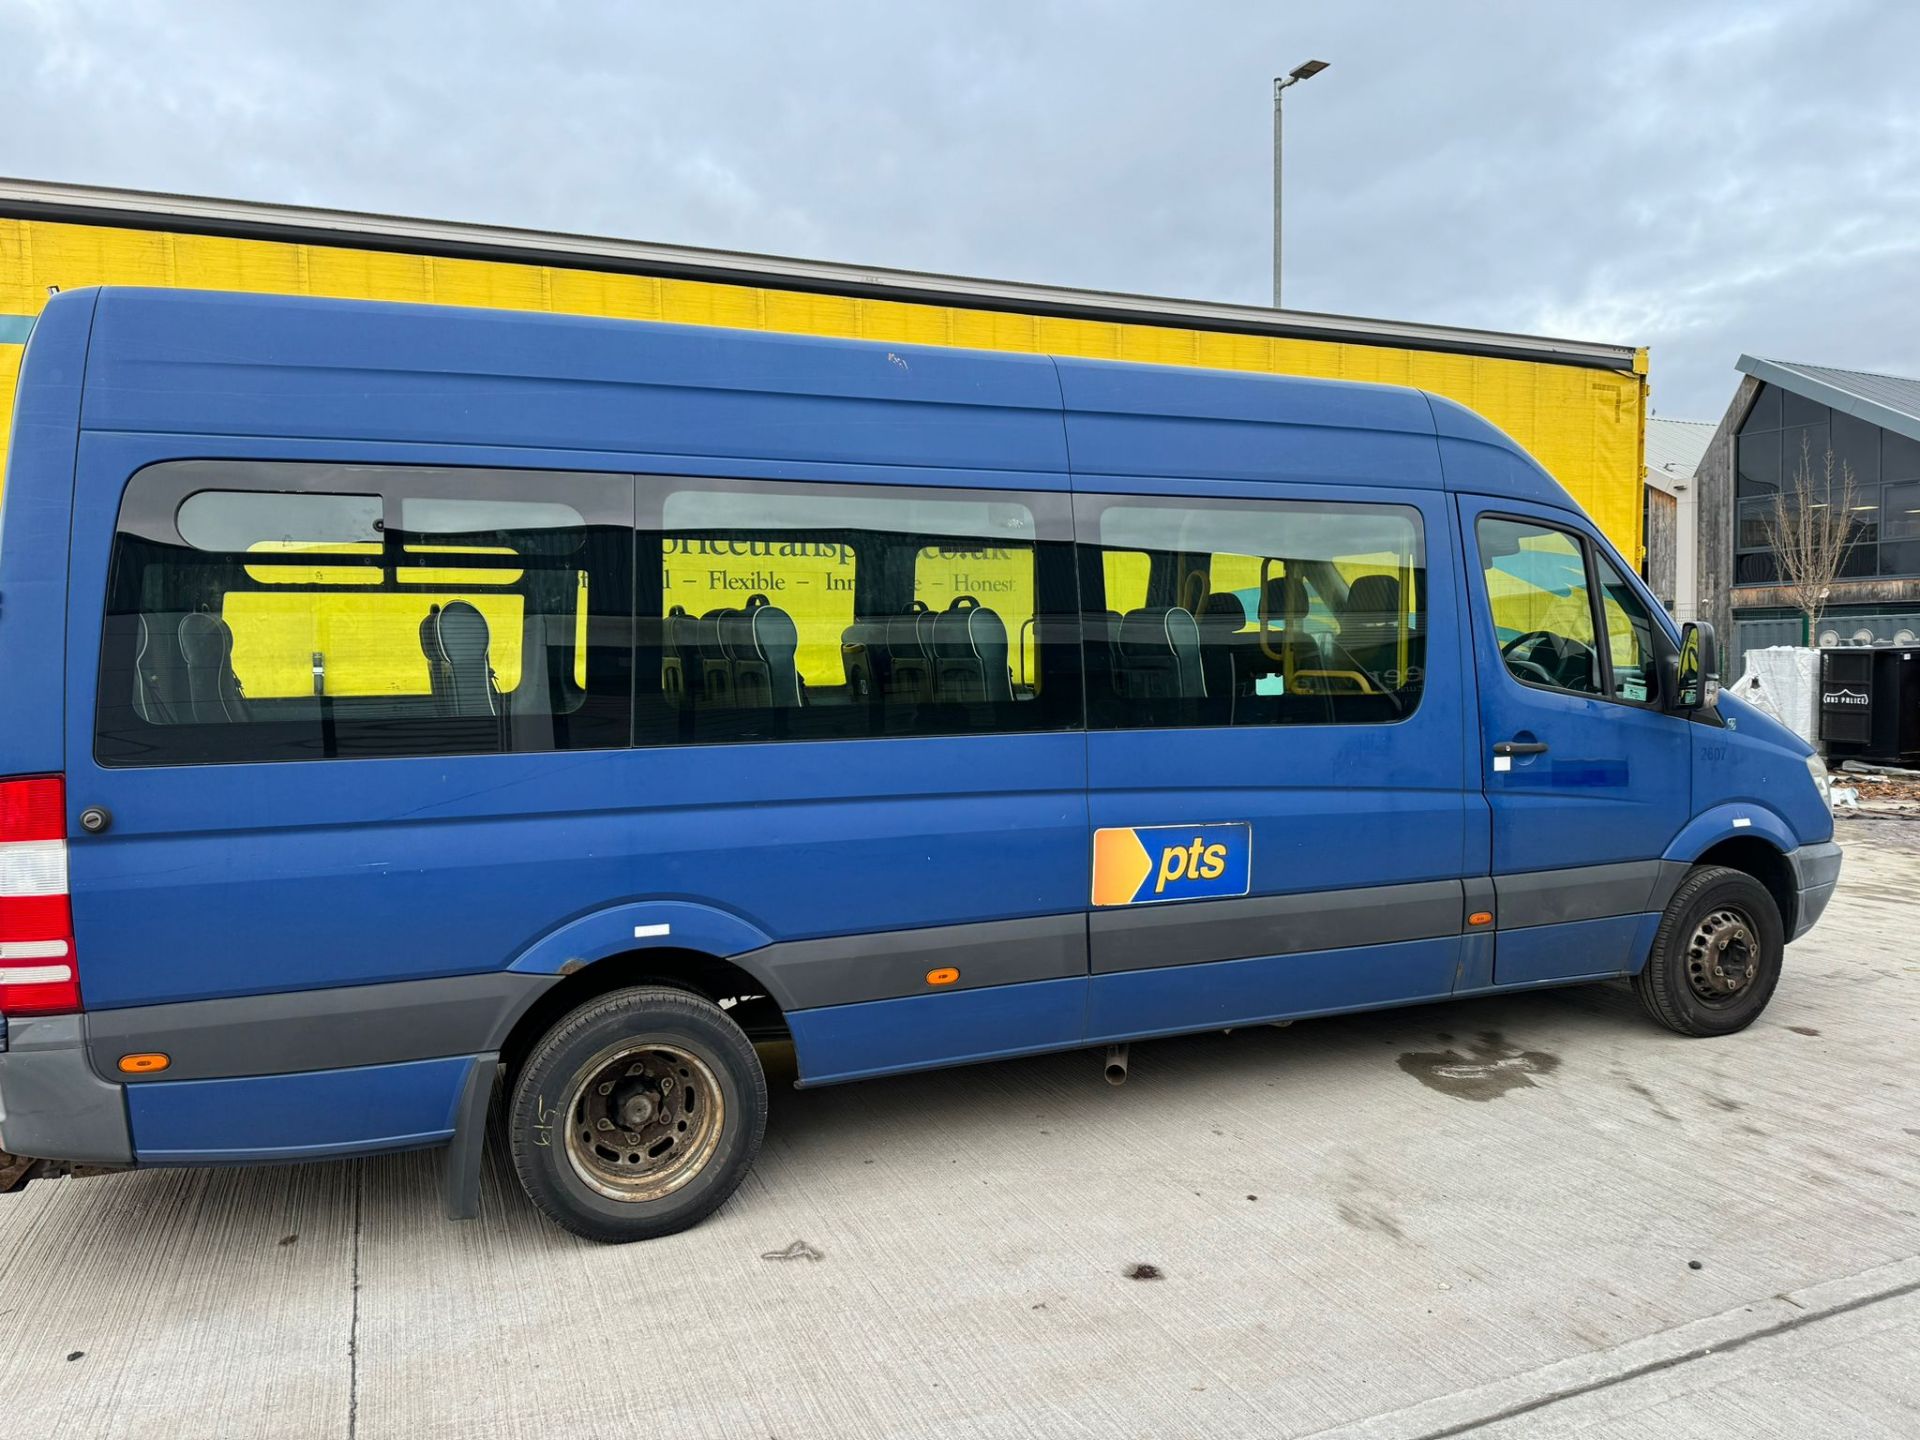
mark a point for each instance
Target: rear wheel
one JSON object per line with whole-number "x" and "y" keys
{"x": 637, "y": 1115}
{"x": 1716, "y": 956}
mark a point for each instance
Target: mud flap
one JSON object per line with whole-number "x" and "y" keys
{"x": 460, "y": 1181}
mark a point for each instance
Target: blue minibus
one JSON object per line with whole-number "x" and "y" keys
{"x": 413, "y": 719}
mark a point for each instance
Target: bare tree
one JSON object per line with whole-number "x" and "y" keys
{"x": 1811, "y": 529}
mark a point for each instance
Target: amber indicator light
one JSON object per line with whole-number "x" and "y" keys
{"x": 1480, "y": 917}
{"x": 146, "y": 1064}
{"x": 946, "y": 975}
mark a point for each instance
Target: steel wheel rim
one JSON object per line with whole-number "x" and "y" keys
{"x": 1723, "y": 956}
{"x": 643, "y": 1120}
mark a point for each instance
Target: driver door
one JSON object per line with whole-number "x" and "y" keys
{"x": 1586, "y": 776}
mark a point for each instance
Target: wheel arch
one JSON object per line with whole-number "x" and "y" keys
{"x": 733, "y": 987}
{"x": 1749, "y": 838}
{"x": 679, "y": 944}
{"x": 1764, "y": 861}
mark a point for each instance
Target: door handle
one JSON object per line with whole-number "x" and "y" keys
{"x": 1520, "y": 747}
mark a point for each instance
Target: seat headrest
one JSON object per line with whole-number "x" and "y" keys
{"x": 204, "y": 639}
{"x": 1222, "y": 610}
{"x": 1374, "y": 595}
{"x": 462, "y": 631}
{"x": 1158, "y": 630}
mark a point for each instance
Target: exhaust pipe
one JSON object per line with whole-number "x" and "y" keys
{"x": 1116, "y": 1064}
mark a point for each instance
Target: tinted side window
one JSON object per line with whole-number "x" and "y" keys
{"x": 782, "y": 611}
{"x": 1205, "y": 612}
{"x": 1536, "y": 579}
{"x": 266, "y": 611}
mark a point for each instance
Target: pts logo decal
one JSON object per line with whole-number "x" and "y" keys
{"x": 1143, "y": 865}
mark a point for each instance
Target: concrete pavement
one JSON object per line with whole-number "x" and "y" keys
{"x": 1529, "y": 1216}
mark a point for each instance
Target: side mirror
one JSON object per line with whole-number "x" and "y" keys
{"x": 1699, "y": 678}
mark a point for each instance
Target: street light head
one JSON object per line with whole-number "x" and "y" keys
{"x": 1307, "y": 71}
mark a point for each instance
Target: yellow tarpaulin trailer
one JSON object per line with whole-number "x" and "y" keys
{"x": 1579, "y": 408}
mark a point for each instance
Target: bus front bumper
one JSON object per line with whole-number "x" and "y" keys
{"x": 52, "y": 1105}
{"x": 1816, "y": 870}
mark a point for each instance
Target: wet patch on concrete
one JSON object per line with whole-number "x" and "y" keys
{"x": 1721, "y": 1102}
{"x": 1367, "y": 1202}
{"x": 1652, "y": 1099}
{"x": 1143, "y": 1272}
{"x": 1368, "y": 1217}
{"x": 1490, "y": 1068}
{"x": 1803, "y": 1029}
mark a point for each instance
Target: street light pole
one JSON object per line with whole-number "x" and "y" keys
{"x": 1294, "y": 76}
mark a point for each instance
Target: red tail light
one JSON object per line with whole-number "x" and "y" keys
{"x": 39, "y": 973}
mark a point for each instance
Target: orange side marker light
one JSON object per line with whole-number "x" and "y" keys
{"x": 945, "y": 975}
{"x": 144, "y": 1064}
{"x": 1480, "y": 917}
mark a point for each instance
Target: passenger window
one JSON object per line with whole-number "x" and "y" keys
{"x": 278, "y": 611}
{"x": 1536, "y": 581}
{"x": 1630, "y": 646}
{"x": 1250, "y": 613}
{"x": 797, "y": 611}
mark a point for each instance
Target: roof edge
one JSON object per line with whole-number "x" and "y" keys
{"x": 1788, "y": 377}
{"x": 60, "y": 202}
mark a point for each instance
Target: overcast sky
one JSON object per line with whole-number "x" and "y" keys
{"x": 1704, "y": 179}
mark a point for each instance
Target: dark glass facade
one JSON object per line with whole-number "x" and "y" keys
{"x": 1784, "y": 432}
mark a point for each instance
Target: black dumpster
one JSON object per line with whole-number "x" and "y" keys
{"x": 1870, "y": 703}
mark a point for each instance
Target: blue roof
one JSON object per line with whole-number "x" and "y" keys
{"x": 192, "y": 362}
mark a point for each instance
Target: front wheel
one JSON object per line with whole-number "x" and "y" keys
{"x": 1716, "y": 956}
{"x": 637, "y": 1115}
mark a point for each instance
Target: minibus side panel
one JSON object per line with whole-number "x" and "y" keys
{"x": 1352, "y": 895}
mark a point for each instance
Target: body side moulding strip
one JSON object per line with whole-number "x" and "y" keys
{"x": 342, "y": 1027}
{"x": 850, "y": 969}
{"x": 1203, "y": 931}
{"x": 1580, "y": 892}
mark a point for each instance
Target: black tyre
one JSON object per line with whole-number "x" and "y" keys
{"x": 1716, "y": 956}
{"x": 637, "y": 1115}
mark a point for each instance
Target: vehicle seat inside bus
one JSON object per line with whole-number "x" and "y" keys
{"x": 463, "y": 643}
{"x": 212, "y": 690}
{"x": 890, "y": 655}
{"x": 970, "y": 654}
{"x": 744, "y": 669}
{"x": 760, "y": 642}
{"x": 715, "y": 671}
{"x": 439, "y": 680}
{"x": 732, "y": 658}
{"x": 1370, "y": 628}
{"x": 907, "y": 652}
{"x": 1100, "y": 631}
{"x": 1159, "y": 654}
{"x": 679, "y": 656}
{"x": 156, "y": 670}
{"x": 1223, "y": 645}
